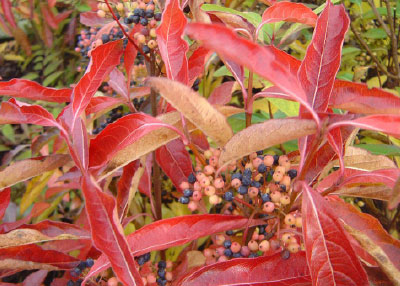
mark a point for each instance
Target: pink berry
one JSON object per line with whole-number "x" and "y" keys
{"x": 253, "y": 192}
{"x": 276, "y": 197}
{"x": 268, "y": 207}
{"x": 204, "y": 182}
{"x": 113, "y": 281}
{"x": 197, "y": 196}
{"x": 290, "y": 219}
{"x": 151, "y": 278}
{"x": 220, "y": 251}
{"x": 209, "y": 170}
{"x": 268, "y": 160}
{"x": 214, "y": 199}
{"x": 255, "y": 236}
{"x": 299, "y": 222}
{"x": 245, "y": 251}
{"x": 293, "y": 247}
{"x": 184, "y": 185}
{"x": 252, "y": 245}
{"x": 219, "y": 239}
{"x": 235, "y": 247}
{"x": 208, "y": 252}
{"x": 213, "y": 161}
{"x": 219, "y": 183}
{"x": 257, "y": 162}
{"x": 209, "y": 191}
{"x": 168, "y": 276}
{"x": 197, "y": 187}
{"x": 236, "y": 183}
{"x": 264, "y": 246}
{"x": 222, "y": 258}
{"x": 192, "y": 206}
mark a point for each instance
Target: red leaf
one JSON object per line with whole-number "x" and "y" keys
{"x": 31, "y": 90}
{"x": 118, "y": 83}
{"x": 120, "y": 134}
{"x": 130, "y": 53}
{"x": 238, "y": 73}
{"x": 331, "y": 259}
{"x": 289, "y": 12}
{"x": 175, "y": 231}
{"x": 358, "y": 98}
{"x": 62, "y": 16}
{"x": 91, "y": 19}
{"x": 14, "y": 112}
{"x": 175, "y": 161}
{"x": 48, "y": 15}
{"x": 5, "y": 196}
{"x": 8, "y": 14}
{"x": 389, "y": 124}
{"x": 395, "y": 195}
{"x": 104, "y": 59}
{"x": 34, "y": 253}
{"x": 369, "y": 226}
{"x": 107, "y": 233}
{"x": 102, "y": 103}
{"x": 55, "y": 228}
{"x": 35, "y": 278}
{"x": 199, "y": 139}
{"x": 171, "y": 45}
{"x": 265, "y": 270}
{"x": 322, "y": 61}
{"x": 80, "y": 144}
{"x": 246, "y": 53}
{"x": 196, "y": 63}
{"x": 222, "y": 94}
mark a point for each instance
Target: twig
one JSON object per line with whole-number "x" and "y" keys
{"x": 378, "y": 17}
{"x": 249, "y": 102}
{"x": 125, "y": 33}
{"x": 393, "y": 38}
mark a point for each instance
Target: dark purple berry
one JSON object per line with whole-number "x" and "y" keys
{"x": 144, "y": 21}
{"x": 105, "y": 38}
{"x": 228, "y": 196}
{"x": 237, "y": 176}
{"x": 255, "y": 184}
{"x": 229, "y": 232}
{"x": 227, "y": 243}
{"x": 70, "y": 283}
{"x": 162, "y": 264}
{"x": 285, "y": 254}
{"x": 292, "y": 173}
{"x": 186, "y": 9}
{"x": 253, "y": 255}
{"x": 236, "y": 255}
{"x": 89, "y": 262}
{"x": 260, "y": 152}
{"x": 146, "y": 49}
{"x": 247, "y": 173}
{"x": 228, "y": 252}
{"x": 149, "y": 14}
{"x": 265, "y": 198}
{"x": 136, "y": 12}
{"x": 246, "y": 181}
{"x": 78, "y": 282}
{"x": 187, "y": 193}
{"x": 82, "y": 265}
{"x": 161, "y": 282}
{"x": 158, "y": 16}
{"x": 276, "y": 160}
{"x": 136, "y": 19}
{"x": 242, "y": 190}
{"x": 283, "y": 188}
{"x": 184, "y": 200}
{"x": 191, "y": 178}
{"x": 262, "y": 168}
{"x": 161, "y": 272}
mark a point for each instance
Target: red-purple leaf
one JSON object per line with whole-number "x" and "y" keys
{"x": 55, "y": 228}
{"x": 14, "y": 112}
{"x": 199, "y": 139}
{"x": 395, "y": 195}
{"x": 118, "y": 83}
{"x": 120, "y": 134}
{"x": 107, "y": 233}
{"x": 238, "y": 73}
{"x": 289, "y": 12}
{"x": 80, "y": 144}
{"x": 104, "y": 59}
{"x": 358, "y": 98}
{"x": 331, "y": 259}
{"x": 175, "y": 161}
{"x": 389, "y": 124}
{"x": 102, "y": 103}
{"x": 171, "y": 45}
{"x": 175, "y": 231}
{"x": 130, "y": 54}
{"x": 261, "y": 271}
{"x": 196, "y": 63}
{"x": 35, "y": 278}
{"x": 91, "y": 19}
{"x": 5, "y": 196}
{"x": 370, "y": 226}
{"x": 8, "y": 14}
{"x": 322, "y": 61}
{"x": 222, "y": 94}
{"x": 32, "y": 90}
{"x": 36, "y": 254}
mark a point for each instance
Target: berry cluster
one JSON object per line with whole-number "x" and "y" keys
{"x": 115, "y": 114}
{"x": 77, "y": 271}
{"x": 159, "y": 274}
{"x": 258, "y": 184}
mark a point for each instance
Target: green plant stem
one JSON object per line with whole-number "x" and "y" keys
{"x": 249, "y": 102}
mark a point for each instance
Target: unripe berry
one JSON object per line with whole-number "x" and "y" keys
{"x": 184, "y": 185}
{"x": 293, "y": 247}
{"x": 209, "y": 191}
{"x": 101, "y": 13}
{"x": 193, "y": 206}
{"x": 236, "y": 183}
{"x": 113, "y": 281}
{"x": 286, "y": 237}
{"x": 200, "y": 176}
{"x": 214, "y": 161}
{"x": 214, "y": 199}
{"x": 286, "y": 181}
{"x": 217, "y": 152}
{"x": 219, "y": 239}
{"x": 255, "y": 236}
{"x": 208, "y": 252}
{"x": 235, "y": 247}
{"x": 280, "y": 170}
{"x": 152, "y": 44}
{"x": 264, "y": 246}
{"x": 252, "y": 245}
{"x": 277, "y": 177}
{"x": 168, "y": 276}
{"x": 219, "y": 183}
{"x": 253, "y": 192}
{"x": 141, "y": 39}
{"x": 222, "y": 258}
{"x": 197, "y": 196}
{"x": 299, "y": 222}
{"x": 245, "y": 251}
{"x": 285, "y": 200}
{"x": 283, "y": 159}
{"x": 151, "y": 278}
{"x": 257, "y": 162}
{"x": 204, "y": 182}
{"x": 268, "y": 160}
{"x": 269, "y": 207}
{"x": 208, "y": 154}
{"x": 290, "y": 219}
{"x": 276, "y": 197}
{"x": 253, "y": 155}
{"x": 197, "y": 187}
{"x": 275, "y": 245}
{"x": 209, "y": 170}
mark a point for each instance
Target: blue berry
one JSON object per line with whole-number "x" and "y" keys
{"x": 285, "y": 254}
{"x": 161, "y": 272}
{"x": 228, "y": 252}
{"x": 276, "y": 160}
{"x": 228, "y": 196}
{"x": 149, "y": 14}
{"x": 184, "y": 200}
{"x": 246, "y": 181}
{"x": 162, "y": 264}
{"x": 76, "y": 272}
{"x": 253, "y": 255}
{"x": 292, "y": 173}
{"x": 261, "y": 229}
{"x": 70, "y": 283}
{"x": 255, "y": 184}
{"x": 283, "y": 188}
{"x": 262, "y": 168}
{"x": 105, "y": 38}
{"x": 187, "y": 193}
{"x": 141, "y": 260}
{"x": 146, "y": 49}
{"x": 191, "y": 178}
{"x": 237, "y": 176}
{"x": 136, "y": 12}
{"x": 260, "y": 152}
{"x": 161, "y": 282}
{"x": 242, "y": 190}
{"x": 144, "y": 22}
{"x": 265, "y": 198}
{"x": 82, "y": 265}
{"x": 236, "y": 255}
{"x": 157, "y": 16}
{"x": 227, "y": 243}
{"x": 229, "y": 232}
{"x": 89, "y": 262}
{"x": 247, "y": 173}
{"x": 135, "y": 19}
{"x": 78, "y": 282}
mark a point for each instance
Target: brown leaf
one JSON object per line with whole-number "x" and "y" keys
{"x": 20, "y": 237}
{"x": 25, "y": 265}
{"x": 358, "y": 158}
{"x": 264, "y": 135}
{"x": 377, "y": 252}
{"x": 195, "y": 108}
{"x": 371, "y": 191}
{"x": 395, "y": 195}
{"x": 26, "y": 169}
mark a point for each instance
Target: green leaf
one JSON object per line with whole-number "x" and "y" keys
{"x": 350, "y": 50}
{"x": 290, "y": 108}
{"x": 376, "y": 33}
{"x": 8, "y": 132}
{"x": 52, "y": 78}
{"x": 238, "y": 121}
{"x": 31, "y": 76}
{"x": 51, "y": 67}
{"x": 381, "y": 149}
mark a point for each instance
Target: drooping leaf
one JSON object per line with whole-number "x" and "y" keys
{"x": 330, "y": 256}
{"x": 34, "y": 257}
{"x": 24, "y": 88}
{"x": 104, "y": 59}
{"x": 102, "y": 103}
{"x": 26, "y": 169}
{"x": 175, "y": 161}
{"x": 248, "y": 54}
{"x": 130, "y": 54}
{"x": 107, "y": 233}
{"x": 222, "y": 94}
{"x": 322, "y": 60}
{"x": 91, "y": 19}
{"x": 171, "y": 45}
{"x": 120, "y": 134}
{"x": 289, "y": 12}
{"x": 233, "y": 20}
{"x": 370, "y": 227}
{"x": 118, "y": 83}
{"x": 35, "y": 278}
{"x": 264, "y": 135}
{"x": 5, "y": 196}
{"x": 395, "y": 195}
{"x": 265, "y": 270}
{"x": 195, "y": 108}
{"x": 196, "y": 63}
{"x": 358, "y": 98}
